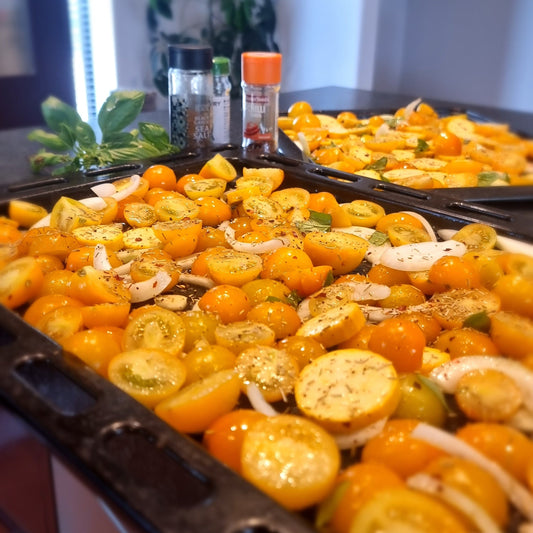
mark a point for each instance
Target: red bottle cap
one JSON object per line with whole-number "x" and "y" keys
{"x": 261, "y": 68}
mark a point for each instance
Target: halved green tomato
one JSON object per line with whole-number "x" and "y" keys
{"x": 148, "y": 375}
{"x": 155, "y": 329}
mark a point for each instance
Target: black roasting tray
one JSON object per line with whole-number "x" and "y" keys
{"x": 159, "y": 479}
{"x": 517, "y": 198}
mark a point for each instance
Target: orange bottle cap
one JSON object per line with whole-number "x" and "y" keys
{"x": 261, "y": 68}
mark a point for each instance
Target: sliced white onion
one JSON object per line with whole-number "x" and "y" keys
{"x": 361, "y": 291}
{"x": 447, "y": 375}
{"x": 201, "y": 281}
{"x": 258, "y": 401}
{"x": 124, "y": 269}
{"x": 43, "y": 222}
{"x": 382, "y": 130}
{"x": 251, "y": 247}
{"x": 132, "y": 186}
{"x": 145, "y": 290}
{"x": 517, "y": 493}
{"x": 374, "y": 251}
{"x": 522, "y": 420}
{"x": 427, "y": 226}
{"x": 101, "y": 259}
{"x": 446, "y": 233}
{"x": 411, "y": 107}
{"x": 93, "y": 202}
{"x": 186, "y": 262}
{"x": 304, "y": 144}
{"x": 457, "y": 499}
{"x": 359, "y": 437}
{"x": 303, "y": 310}
{"x": 512, "y": 245}
{"x": 104, "y": 190}
{"x": 420, "y": 256}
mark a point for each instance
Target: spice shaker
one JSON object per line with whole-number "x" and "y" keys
{"x": 221, "y": 100}
{"x": 190, "y": 91}
{"x": 261, "y": 77}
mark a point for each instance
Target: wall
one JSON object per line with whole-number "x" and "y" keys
{"x": 469, "y": 51}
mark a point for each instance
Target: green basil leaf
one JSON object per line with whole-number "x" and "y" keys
{"x": 294, "y": 299}
{"x": 378, "y": 238}
{"x": 479, "y": 321}
{"x": 433, "y": 387}
{"x": 85, "y": 136}
{"x": 154, "y": 134}
{"x": 329, "y": 279}
{"x": 378, "y": 165}
{"x": 421, "y": 146}
{"x": 130, "y": 153}
{"x": 485, "y": 179}
{"x": 49, "y": 140}
{"x": 317, "y": 222}
{"x": 120, "y": 139}
{"x": 56, "y": 113}
{"x": 119, "y": 110}
{"x": 67, "y": 134}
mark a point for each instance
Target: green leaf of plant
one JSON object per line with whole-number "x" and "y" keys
{"x": 120, "y": 139}
{"x": 154, "y": 134}
{"x": 67, "y": 134}
{"x": 131, "y": 153}
{"x": 44, "y": 159}
{"x": 49, "y": 140}
{"x": 85, "y": 136}
{"x": 57, "y": 113}
{"x": 119, "y": 110}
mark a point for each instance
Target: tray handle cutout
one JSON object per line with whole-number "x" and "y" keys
{"x": 53, "y": 386}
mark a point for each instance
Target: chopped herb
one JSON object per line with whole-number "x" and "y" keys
{"x": 379, "y": 164}
{"x": 392, "y": 123}
{"x": 294, "y": 299}
{"x": 329, "y": 505}
{"x": 329, "y": 279}
{"x": 421, "y": 146}
{"x": 479, "y": 321}
{"x": 434, "y": 389}
{"x": 316, "y": 222}
{"x": 485, "y": 179}
{"x": 378, "y": 238}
